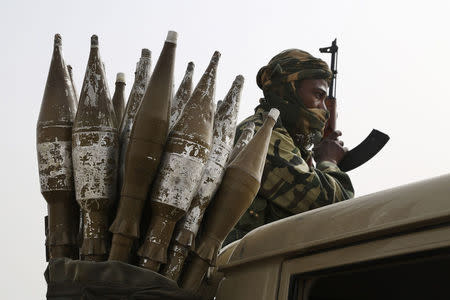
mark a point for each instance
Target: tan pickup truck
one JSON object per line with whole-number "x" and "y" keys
{"x": 393, "y": 244}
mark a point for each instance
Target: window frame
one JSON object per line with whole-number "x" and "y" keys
{"x": 370, "y": 252}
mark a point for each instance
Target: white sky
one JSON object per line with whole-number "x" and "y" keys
{"x": 393, "y": 76}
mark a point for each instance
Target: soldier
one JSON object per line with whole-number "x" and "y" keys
{"x": 296, "y": 83}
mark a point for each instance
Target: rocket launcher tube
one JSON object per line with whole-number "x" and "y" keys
{"x": 148, "y": 137}
{"x": 141, "y": 78}
{"x": 54, "y": 149}
{"x": 118, "y": 99}
{"x": 239, "y": 187}
{"x": 182, "y": 96}
{"x": 244, "y": 139}
{"x": 185, "y": 156}
{"x": 223, "y": 137}
{"x": 95, "y": 154}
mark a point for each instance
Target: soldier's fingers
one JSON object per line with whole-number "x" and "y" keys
{"x": 335, "y": 134}
{"x": 341, "y": 143}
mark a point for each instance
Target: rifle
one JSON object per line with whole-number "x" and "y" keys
{"x": 371, "y": 145}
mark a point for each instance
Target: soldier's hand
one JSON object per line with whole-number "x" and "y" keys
{"x": 330, "y": 148}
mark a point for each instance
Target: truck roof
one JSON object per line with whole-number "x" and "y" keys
{"x": 386, "y": 213}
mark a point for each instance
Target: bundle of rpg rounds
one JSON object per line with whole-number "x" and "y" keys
{"x": 147, "y": 172}
{"x": 78, "y": 145}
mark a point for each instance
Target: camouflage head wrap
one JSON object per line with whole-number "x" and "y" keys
{"x": 277, "y": 80}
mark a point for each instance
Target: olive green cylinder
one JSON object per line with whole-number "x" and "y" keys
{"x": 148, "y": 137}
{"x": 141, "y": 78}
{"x": 118, "y": 99}
{"x": 223, "y": 137}
{"x": 185, "y": 156}
{"x": 239, "y": 187}
{"x": 54, "y": 149}
{"x": 244, "y": 139}
{"x": 95, "y": 157}
{"x": 182, "y": 95}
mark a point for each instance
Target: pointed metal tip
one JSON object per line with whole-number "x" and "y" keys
{"x": 94, "y": 40}
{"x": 145, "y": 52}
{"x": 172, "y": 37}
{"x": 215, "y": 58}
{"x": 120, "y": 77}
{"x": 239, "y": 79}
{"x": 57, "y": 40}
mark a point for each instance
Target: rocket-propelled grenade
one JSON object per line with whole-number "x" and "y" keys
{"x": 118, "y": 99}
{"x": 95, "y": 157}
{"x": 223, "y": 137}
{"x": 182, "y": 96}
{"x": 244, "y": 139}
{"x": 239, "y": 187}
{"x": 148, "y": 137}
{"x": 141, "y": 78}
{"x": 54, "y": 149}
{"x": 185, "y": 156}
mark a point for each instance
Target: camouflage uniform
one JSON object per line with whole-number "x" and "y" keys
{"x": 289, "y": 185}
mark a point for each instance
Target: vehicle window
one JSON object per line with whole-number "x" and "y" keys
{"x": 424, "y": 278}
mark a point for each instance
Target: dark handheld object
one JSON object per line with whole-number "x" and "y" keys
{"x": 333, "y": 49}
{"x": 373, "y": 143}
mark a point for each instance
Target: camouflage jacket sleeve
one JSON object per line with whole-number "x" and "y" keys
{"x": 289, "y": 183}
{"x": 289, "y": 186}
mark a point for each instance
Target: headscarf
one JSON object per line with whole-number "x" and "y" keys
{"x": 277, "y": 80}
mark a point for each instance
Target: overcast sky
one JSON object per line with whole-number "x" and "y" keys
{"x": 393, "y": 76}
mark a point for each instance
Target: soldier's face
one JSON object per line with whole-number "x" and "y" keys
{"x": 313, "y": 92}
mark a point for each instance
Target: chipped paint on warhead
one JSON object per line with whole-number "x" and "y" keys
{"x": 182, "y": 96}
{"x": 93, "y": 86}
{"x": 141, "y": 79}
{"x": 209, "y": 76}
{"x": 209, "y": 184}
{"x": 223, "y": 137}
{"x": 95, "y": 162}
{"x": 226, "y": 116}
{"x": 188, "y": 147}
{"x": 55, "y": 166}
{"x": 179, "y": 176}
{"x": 244, "y": 139}
{"x": 188, "y": 150}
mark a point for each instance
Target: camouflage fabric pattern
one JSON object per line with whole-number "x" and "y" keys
{"x": 279, "y": 79}
{"x": 305, "y": 125}
{"x": 289, "y": 186}
{"x": 289, "y": 66}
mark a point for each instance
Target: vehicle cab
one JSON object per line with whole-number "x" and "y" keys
{"x": 393, "y": 244}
